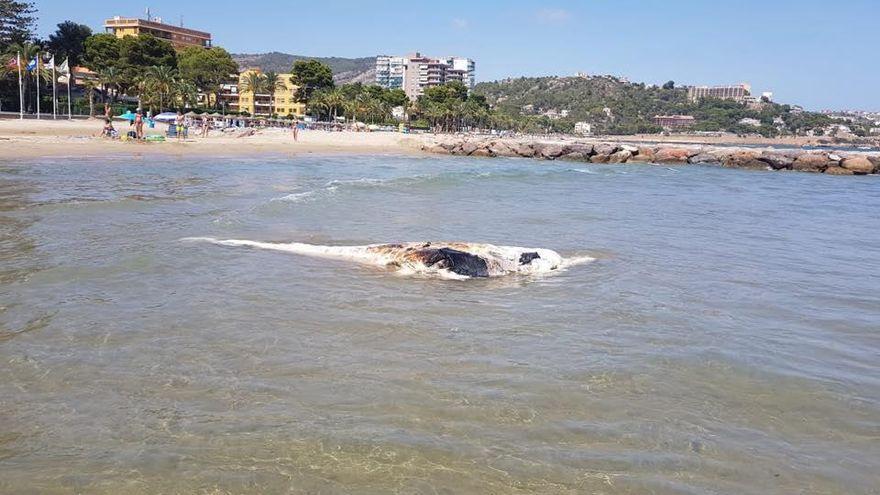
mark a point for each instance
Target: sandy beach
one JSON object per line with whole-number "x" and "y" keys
{"x": 46, "y": 138}
{"x": 43, "y": 138}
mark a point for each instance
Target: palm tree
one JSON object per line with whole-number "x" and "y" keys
{"x": 27, "y": 52}
{"x": 274, "y": 82}
{"x": 318, "y": 103}
{"x": 161, "y": 80}
{"x": 185, "y": 92}
{"x": 253, "y": 82}
{"x": 334, "y": 100}
{"x": 91, "y": 85}
{"x": 110, "y": 78}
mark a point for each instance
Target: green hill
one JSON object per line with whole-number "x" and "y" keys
{"x": 616, "y": 106}
{"x": 345, "y": 70}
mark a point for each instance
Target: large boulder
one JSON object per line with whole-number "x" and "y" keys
{"x": 835, "y": 170}
{"x": 628, "y": 147}
{"x": 501, "y": 148}
{"x": 858, "y": 164}
{"x": 575, "y": 156}
{"x": 704, "y": 158}
{"x": 745, "y": 159}
{"x": 621, "y": 156}
{"x": 436, "y": 148}
{"x": 876, "y": 161}
{"x": 482, "y": 152}
{"x": 605, "y": 149}
{"x": 672, "y": 155}
{"x": 551, "y": 151}
{"x": 813, "y": 162}
{"x": 469, "y": 147}
{"x": 525, "y": 150}
{"x": 645, "y": 154}
{"x": 778, "y": 160}
{"x": 583, "y": 148}
{"x": 600, "y": 158}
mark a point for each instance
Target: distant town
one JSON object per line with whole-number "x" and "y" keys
{"x": 681, "y": 109}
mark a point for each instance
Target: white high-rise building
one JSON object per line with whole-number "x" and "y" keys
{"x": 414, "y": 72}
{"x": 389, "y": 71}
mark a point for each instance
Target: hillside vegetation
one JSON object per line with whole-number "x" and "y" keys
{"x": 345, "y": 70}
{"x": 614, "y": 106}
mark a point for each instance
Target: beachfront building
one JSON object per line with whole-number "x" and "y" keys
{"x": 735, "y": 92}
{"x": 179, "y": 36}
{"x": 415, "y": 72}
{"x": 674, "y": 122}
{"x": 260, "y": 104}
{"x": 389, "y": 71}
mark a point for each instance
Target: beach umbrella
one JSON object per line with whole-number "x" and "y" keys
{"x": 165, "y": 117}
{"x": 127, "y": 116}
{"x": 215, "y": 114}
{"x": 190, "y": 114}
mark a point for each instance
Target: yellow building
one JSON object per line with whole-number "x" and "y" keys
{"x": 284, "y": 103}
{"x": 180, "y": 37}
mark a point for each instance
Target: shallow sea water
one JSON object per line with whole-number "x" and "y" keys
{"x": 725, "y": 340}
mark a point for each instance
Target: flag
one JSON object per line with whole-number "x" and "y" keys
{"x": 12, "y": 63}
{"x": 64, "y": 67}
{"x": 50, "y": 64}
{"x": 31, "y": 65}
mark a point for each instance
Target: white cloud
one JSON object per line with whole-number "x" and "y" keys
{"x": 553, "y": 15}
{"x": 459, "y": 23}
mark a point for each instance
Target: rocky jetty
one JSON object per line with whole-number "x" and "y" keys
{"x": 606, "y": 152}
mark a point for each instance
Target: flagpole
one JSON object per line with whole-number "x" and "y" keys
{"x": 38, "y": 84}
{"x": 54, "y": 98}
{"x": 69, "y": 77}
{"x": 20, "y": 87}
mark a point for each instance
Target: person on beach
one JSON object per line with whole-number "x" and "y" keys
{"x": 108, "y": 131}
{"x": 295, "y": 130}
{"x": 139, "y": 124}
{"x": 179, "y": 123}
{"x": 206, "y": 126}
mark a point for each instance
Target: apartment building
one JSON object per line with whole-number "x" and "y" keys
{"x": 415, "y": 72}
{"x": 260, "y": 104}
{"x": 179, "y": 36}
{"x": 736, "y": 92}
{"x": 674, "y": 121}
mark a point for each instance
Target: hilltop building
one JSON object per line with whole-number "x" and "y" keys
{"x": 674, "y": 121}
{"x": 180, "y": 37}
{"x": 415, "y": 72}
{"x": 736, "y": 92}
{"x": 235, "y": 100}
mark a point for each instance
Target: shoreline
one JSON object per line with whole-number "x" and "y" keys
{"x": 34, "y": 139}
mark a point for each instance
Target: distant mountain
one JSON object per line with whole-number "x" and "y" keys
{"x": 345, "y": 70}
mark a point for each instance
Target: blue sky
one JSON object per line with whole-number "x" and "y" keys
{"x": 820, "y": 54}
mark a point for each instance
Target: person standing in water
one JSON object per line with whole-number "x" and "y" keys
{"x": 295, "y": 130}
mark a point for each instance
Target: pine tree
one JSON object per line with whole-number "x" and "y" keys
{"x": 17, "y": 21}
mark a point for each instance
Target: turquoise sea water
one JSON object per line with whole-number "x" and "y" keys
{"x": 725, "y": 340}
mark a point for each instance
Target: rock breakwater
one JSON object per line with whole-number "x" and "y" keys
{"x": 831, "y": 163}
